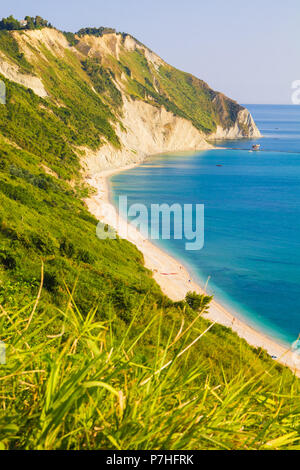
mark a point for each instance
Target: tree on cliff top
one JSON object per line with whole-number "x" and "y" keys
{"x": 11, "y": 24}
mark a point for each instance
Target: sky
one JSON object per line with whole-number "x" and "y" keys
{"x": 247, "y": 50}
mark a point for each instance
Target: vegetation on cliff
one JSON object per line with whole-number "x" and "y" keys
{"x": 29, "y": 22}
{"x": 179, "y": 92}
{"x": 87, "y": 381}
{"x": 97, "y": 32}
{"x": 97, "y": 356}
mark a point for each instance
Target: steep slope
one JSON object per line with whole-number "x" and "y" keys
{"x": 143, "y": 75}
{"x": 131, "y": 102}
{"x": 87, "y": 344}
{"x": 66, "y": 104}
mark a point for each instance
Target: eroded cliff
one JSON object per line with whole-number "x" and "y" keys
{"x": 131, "y": 102}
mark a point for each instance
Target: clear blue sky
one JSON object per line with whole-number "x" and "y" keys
{"x": 248, "y": 50}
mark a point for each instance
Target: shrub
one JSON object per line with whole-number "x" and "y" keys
{"x": 7, "y": 259}
{"x": 197, "y": 302}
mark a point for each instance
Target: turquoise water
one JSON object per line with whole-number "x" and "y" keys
{"x": 252, "y": 218}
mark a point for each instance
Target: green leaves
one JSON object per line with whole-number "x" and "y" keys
{"x": 198, "y": 302}
{"x": 9, "y": 46}
{"x": 100, "y": 358}
{"x": 8, "y": 431}
{"x": 89, "y": 386}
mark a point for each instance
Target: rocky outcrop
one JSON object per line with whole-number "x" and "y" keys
{"x": 243, "y": 128}
{"x": 153, "y": 117}
{"x": 149, "y": 130}
{"x": 11, "y": 72}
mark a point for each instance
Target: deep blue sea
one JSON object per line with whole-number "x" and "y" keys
{"x": 252, "y": 218}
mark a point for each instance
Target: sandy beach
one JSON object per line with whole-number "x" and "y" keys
{"x": 173, "y": 278}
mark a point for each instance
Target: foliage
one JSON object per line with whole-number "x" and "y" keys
{"x": 36, "y": 23}
{"x": 71, "y": 38}
{"x": 10, "y": 23}
{"x": 197, "y": 302}
{"x": 41, "y": 217}
{"x": 72, "y": 381}
{"x": 102, "y": 79}
{"x": 51, "y": 131}
{"x": 98, "y": 356}
{"x": 10, "y": 47}
{"x": 179, "y": 92}
{"x": 98, "y": 32}
{"x": 70, "y": 354}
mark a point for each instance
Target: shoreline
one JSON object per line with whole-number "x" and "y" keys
{"x": 175, "y": 286}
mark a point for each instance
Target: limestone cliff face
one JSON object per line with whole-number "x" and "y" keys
{"x": 244, "y": 127}
{"x": 12, "y": 72}
{"x": 154, "y": 107}
{"x": 149, "y": 130}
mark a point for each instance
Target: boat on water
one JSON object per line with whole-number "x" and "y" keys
{"x": 256, "y": 147}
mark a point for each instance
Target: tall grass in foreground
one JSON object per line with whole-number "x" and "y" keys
{"x": 84, "y": 387}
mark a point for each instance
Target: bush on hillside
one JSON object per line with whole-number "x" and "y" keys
{"x": 197, "y": 302}
{"x": 11, "y": 24}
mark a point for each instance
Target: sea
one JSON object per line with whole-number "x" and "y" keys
{"x": 251, "y": 254}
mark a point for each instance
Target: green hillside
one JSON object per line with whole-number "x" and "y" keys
{"x": 179, "y": 92}
{"x": 87, "y": 329}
